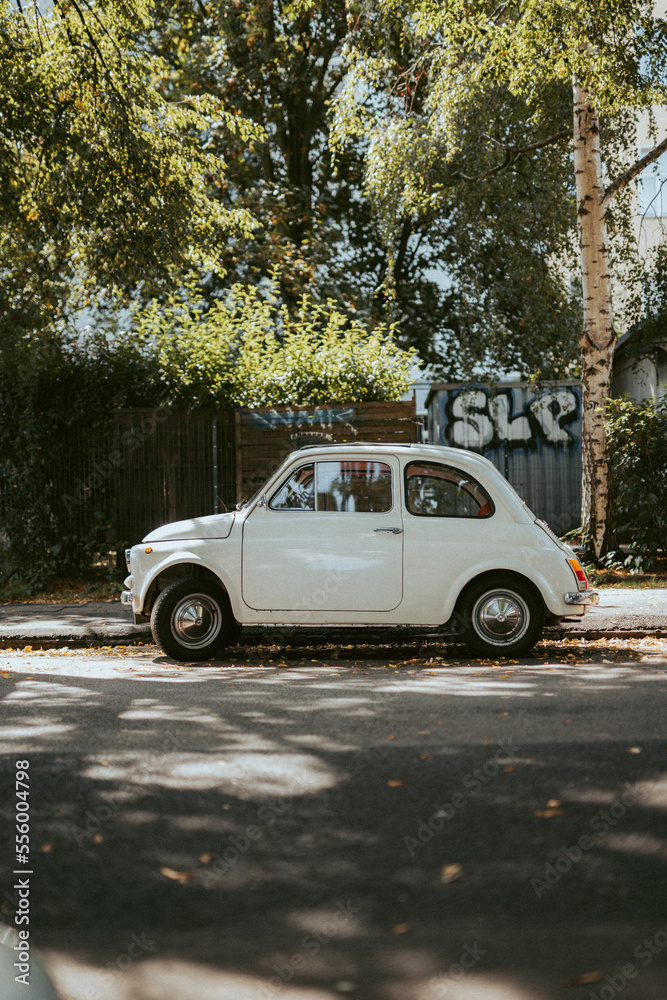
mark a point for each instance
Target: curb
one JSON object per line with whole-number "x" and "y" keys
{"x": 146, "y": 639}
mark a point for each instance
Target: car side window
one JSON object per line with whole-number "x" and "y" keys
{"x": 434, "y": 490}
{"x": 298, "y": 492}
{"x": 362, "y": 487}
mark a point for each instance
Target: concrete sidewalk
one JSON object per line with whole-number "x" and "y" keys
{"x": 620, "y": 613}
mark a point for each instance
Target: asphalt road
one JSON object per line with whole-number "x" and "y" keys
{"x": 299, "y": 830}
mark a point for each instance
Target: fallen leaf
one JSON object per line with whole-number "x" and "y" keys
{"x": 394, "y": 784}
{"x": 402, "y": 928}
{"x": 206, "y": 858}
{"x": 98, "y": 838}
{"x": 176, "y": 876}
{"x": 554, "y": 803}
{"x": 508, "y": 769}
{"x": 585, "y": 979}
{"x": 392, "y": 736}
{"x": 426, "y": 756}
{"x": 548, "y": 813}
{"x": 47, "y": 848}
{"x": 634, "y": 749}
{"x": 450, "y": 873}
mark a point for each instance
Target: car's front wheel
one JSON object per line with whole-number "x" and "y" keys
{"x": 501, "y": 617}
{"x": 192, "y": 620}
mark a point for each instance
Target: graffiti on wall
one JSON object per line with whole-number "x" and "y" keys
{"x": 482, "y": 418}
{"x": 270, "y": 419}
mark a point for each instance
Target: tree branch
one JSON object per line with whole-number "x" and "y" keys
{"x": 514, "y": 153}
{"x": 629, "y": 175}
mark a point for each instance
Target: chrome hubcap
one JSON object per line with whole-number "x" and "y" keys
{"x": 501, "y": 616}
{"x": 196, "y": 620}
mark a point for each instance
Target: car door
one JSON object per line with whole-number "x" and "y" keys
{"x": 328, "y": 539}
{"x": 450, "y": 524}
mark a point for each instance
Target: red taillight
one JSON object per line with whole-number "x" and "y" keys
{"x": 582, "y": 579}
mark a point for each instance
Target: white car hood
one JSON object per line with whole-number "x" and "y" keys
{"x": 212, "y": 526}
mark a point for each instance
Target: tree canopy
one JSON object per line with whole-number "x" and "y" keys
{"x": 104, "y": 180}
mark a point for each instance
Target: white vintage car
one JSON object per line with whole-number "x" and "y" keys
{"x": 361, "y": 534}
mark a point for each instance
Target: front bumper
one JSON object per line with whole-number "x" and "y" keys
{"x": 583, "y": 597}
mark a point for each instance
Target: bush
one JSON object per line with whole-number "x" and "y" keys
{"x": 637, "y": 438}
{"x": 246, "y": 349}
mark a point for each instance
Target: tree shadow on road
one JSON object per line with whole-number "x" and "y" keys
{"x": 354, "y": 840}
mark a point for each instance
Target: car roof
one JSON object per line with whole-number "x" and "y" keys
{"x": 433, "y": 452}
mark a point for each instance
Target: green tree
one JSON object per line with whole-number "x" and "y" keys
{"x": 497, "y": 233}
{"x": 104, "y": 182}
{"x": 581, "y": 74}
{"x": 280, "y": 69}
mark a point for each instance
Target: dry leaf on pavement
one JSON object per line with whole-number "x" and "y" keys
{"x": 450, "y": 873}
{"x": 176, "y": 876}
{"x": 585, "y": 979}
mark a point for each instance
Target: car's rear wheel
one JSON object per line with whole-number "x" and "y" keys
{"x": 192, "y": 620}
{"x": 501, "y": 617}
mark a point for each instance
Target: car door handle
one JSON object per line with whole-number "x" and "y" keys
{"x": 394, "y": 531}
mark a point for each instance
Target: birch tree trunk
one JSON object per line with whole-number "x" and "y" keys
{"x": 598, "y": 337}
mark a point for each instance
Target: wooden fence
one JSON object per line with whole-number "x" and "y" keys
{"x": 266, "y": 435}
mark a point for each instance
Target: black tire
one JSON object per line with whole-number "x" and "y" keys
{"x": 192, "y": 620}
{"x": 501, "y": 617}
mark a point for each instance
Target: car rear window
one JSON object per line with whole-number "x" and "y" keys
{"x": 434, "y": 490}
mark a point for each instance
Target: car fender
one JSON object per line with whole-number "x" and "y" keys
{"x": 185, "y": 557}
{"x": 552, "y": 594}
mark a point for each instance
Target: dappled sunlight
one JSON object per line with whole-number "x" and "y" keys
{"x": 350, "y": 706}
{"x": 33, "y": 693}
{"x": 233, "y": 820}
{"x": 31, "y": 732}
{"x": 154, "y": 711}
{"x": 244, "y": 775}
{"x": 468, "y": 985}
{"x": 329, "y": 922}
{"x": 167, "y": 979}
{"x": 640, "y": 844}
{"x": 653, "y": 793}
{"x": 322, "y": 743}
{"x": 454, "y": 685}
